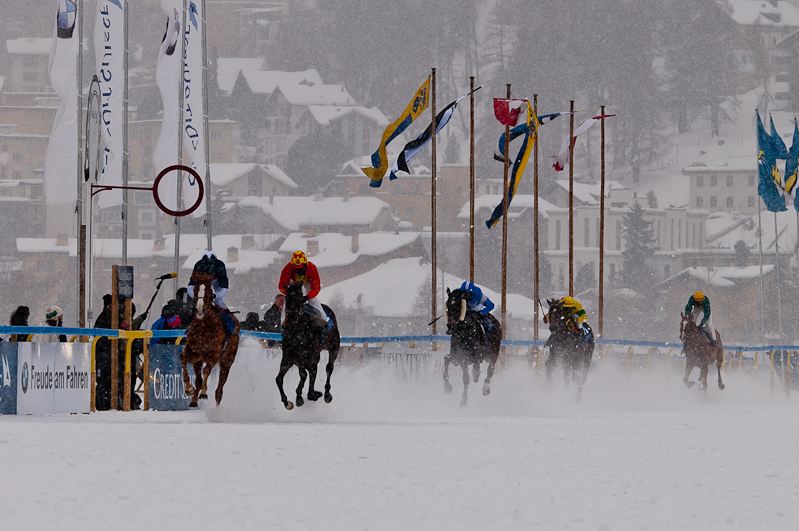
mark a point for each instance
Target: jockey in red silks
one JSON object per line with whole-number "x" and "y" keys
{"x": 301, "y": 271}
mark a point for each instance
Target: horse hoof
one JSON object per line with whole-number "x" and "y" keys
{"x": 721, "y": 386}
{"x": 300, "y": 401}
{"x": 328, "y": 398}
{"x": 486, "y": 390}
{"x": 476, "y": 377}
{"x": 314, "y": 395}
{"x": 690, "y": 384}
{"x": 203, "y": 396}
{"x": 189, "y": 390}
{"x": 192, "y": 405}
{"x": 447, "y": 387}
{"x": 463, "y": 402}
{"x": 289, "y": 406}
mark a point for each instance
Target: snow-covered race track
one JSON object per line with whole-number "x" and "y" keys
{"x": 637, "y": 453}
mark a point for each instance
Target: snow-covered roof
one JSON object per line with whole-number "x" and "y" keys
{"x": 223, "y": 173}
{"x": 315, "y": 94}
{"x": 228, "y": 69}
{"x": 324, "y": 114}
{"x": 29, "y": 45}
{"x": 335, "y": 250}
{"x": 295, "y": 212}
{"x": 392, "y": 289}
{"x": 589, "y": 193}
{"x": 248, "y": 259}
{"x": 724, "y": 230}
{"x": 520, "y": 202}
{"x": 266, "y": 81}
{"x": 277, "y": 174}
{"x": 720, "y": 277}
{"x": 763, "y": 13}
{"x": 112, "y": 248}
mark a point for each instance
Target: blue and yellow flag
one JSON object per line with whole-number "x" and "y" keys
{"x": 379, "y": 158}
{"x": 519, "y": 164}
{"x": 770, "y": 186}
{"x": 791, "y": 167}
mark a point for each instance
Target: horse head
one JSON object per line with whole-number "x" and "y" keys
{"x": 456, "y": 307}
{"x": 203, "y": 293}
{"x": 295, "y": 299}
{"x": 556, "y": 317}
{"x": 688, "y": 326}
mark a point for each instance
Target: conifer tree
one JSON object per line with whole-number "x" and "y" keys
{"x": 640, "y": 246}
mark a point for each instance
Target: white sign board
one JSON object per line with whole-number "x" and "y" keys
{"x": 53, "y": 378}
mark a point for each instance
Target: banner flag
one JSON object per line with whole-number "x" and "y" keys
{"x": 563, "y": 155}
{"x": 770, "y": 185}
{"x": 61, "y": 157}
{"x": 518, "y": 165}
{"x": 379, "y": 158}
{"x": 193, "y": 104}
{"x": 499, "y": 151}
{"x": 414, "y": 146}
{"x": 167, "y": 77}
{"x": 791, "y": 167}
{"x": 508, "y": 112}
{"x": 109, "y": 51}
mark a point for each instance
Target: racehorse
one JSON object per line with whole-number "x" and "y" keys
{"x": 205, "y": 343}
{"x": 303, "y": 343}
{"x": 699, "y": 352}
{"x": 470, "y": 344}
{"x": 565, "y": 347}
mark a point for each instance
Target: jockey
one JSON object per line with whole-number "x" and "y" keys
{"x": 301, "y": 271}
{"x": 698, "y": 308}
{"x": 209, "y": 264}
{"x": 478, "y": 302}
{"x": 577, "y": 317}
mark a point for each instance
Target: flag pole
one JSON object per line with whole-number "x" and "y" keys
{"x": 779, "y": 275}
{"x": 81, "y": 241}
{"x": 471, "y": 179}
{"x": 209, "y": 232}
{"x": 125, "y": 141}
{"x": 505, "y": 231}
{"x": 535, "y": 225}
{"x": 433, "y": 125}
{"x": 601, "y": 301}
{"x": 181, "y": 105}
{"x": 571, "y": 199}
{"x": 760, "y": 252}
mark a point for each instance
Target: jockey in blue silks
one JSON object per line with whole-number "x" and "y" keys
{"x": 211, "y": 265}
{"x": 478, "y": 302}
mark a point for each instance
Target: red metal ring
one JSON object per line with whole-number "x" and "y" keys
{"x": 178, "y": 213}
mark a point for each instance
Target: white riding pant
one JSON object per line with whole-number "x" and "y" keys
{"x": 698, "y": 314}
{"x": 220, "y": 294}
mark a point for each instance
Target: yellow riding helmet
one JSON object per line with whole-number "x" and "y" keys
{"x": 298, "y": 259}
{"x": 569, "y": 302}
{"x": 699, "y": 296}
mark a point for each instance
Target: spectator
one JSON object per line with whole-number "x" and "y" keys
{"x": 251, "y": 322}
{"x": 272, "y": 318}
{"x": 54, "y": 316}
{"x": 102, "y": 356}
{"x": 19, "y": 318}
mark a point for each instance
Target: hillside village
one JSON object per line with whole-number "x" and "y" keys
{"x": 371, "y": 244}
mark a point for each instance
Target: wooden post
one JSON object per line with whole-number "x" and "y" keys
{"x": 434, "y": 294}
{"x": 128, "y": 344}
{"x": 145, "y": 375}
{"x": 537, "y": 294}
{"x": 82, "y": 277}
{"x": 114, "y": 341}
{"x": 505, "y": 233}
{"x": 601, "y": 303}
{"x": 571, "y": 199}
{"x": 471, "y": 179}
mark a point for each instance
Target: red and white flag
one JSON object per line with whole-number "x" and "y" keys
{"x": 508, "y": 112}
{"x": 563, "y": 155}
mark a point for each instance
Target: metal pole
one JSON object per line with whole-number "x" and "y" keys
{"x": 125, "y": 142}
{"x": 779, "y": 275}
{"x": 207, "y": 135}
{"x": 571, "y": 199}
{"x": 505, "y": 229}
{"x": 535, "y": 224}
{"x": 181, "y": 105}
{"x": 760, "y": 252}
{"x": 434, "y": 309}
{"x": 600, "y": 321}
{"x": 79, "y": 203}
{"x": 471, "y": 179}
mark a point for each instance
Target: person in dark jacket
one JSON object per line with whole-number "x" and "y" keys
{"x": 19, "y": 318}
{"x": 272, "y": 319}
{"x": 251, "y": 322}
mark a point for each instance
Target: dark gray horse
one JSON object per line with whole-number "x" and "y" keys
{"x": 565, "y": 348}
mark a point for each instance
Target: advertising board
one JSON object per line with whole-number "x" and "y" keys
{"x": 8, "y": 378}
{"x": 167, "y": 392}
{"x": 53, "y": 378}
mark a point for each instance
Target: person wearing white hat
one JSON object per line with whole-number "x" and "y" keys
{"x": 54, "y": 316}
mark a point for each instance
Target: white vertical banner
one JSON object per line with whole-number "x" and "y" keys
{"x": 109, "y": 51}
{"x": 167, "y": 77}
{"x": 193, "y": 122}
{"x": 61, "y": 158}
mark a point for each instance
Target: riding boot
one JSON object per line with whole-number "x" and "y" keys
{"x": 227, "y": 320}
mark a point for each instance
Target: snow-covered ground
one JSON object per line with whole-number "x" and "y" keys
{"x": 639, "y": 452}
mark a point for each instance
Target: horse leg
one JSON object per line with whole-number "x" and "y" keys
{"x": 313, "y": 394}
{"x": 225, "y": 363}
{"x": 303, "y": 376}
{"x": 198, "y": 382}
{"x": 284, "y": 368}
{"x": 476, "y": 372}
{"x": 332, "y": 356}
{"x": 489, "y": 374}
{"x": 184, "y": 356}
{"x": 447, "y": 385}
{"x": 550, "y": 366}
{"x": 719, "y": 361}
{"x": 206, "y": 375}
{"x": 465, "y": 368}
{"x": 688, "y": 368}
{"x": 703, "y": 377}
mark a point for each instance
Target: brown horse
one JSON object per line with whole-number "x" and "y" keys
{"x": 699, "y": 352}
{"x": 205, "y": 343}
